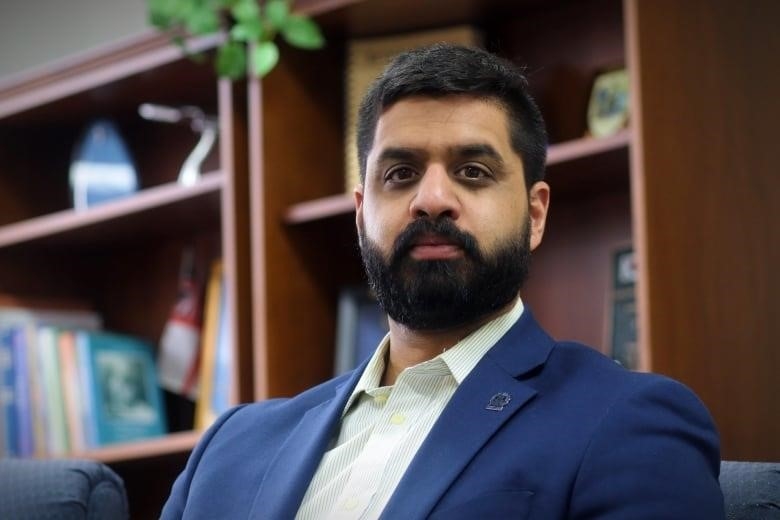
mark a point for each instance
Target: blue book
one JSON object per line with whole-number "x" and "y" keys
{"x": 126, "y": 399}
{"x": 10, "y": 444}
{"x": 22, "y": 387}
{"x": 223, "y": 365}
{"x": 362, "y": 325}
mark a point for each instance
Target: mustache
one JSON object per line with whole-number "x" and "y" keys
{"x": 442, "y": 228}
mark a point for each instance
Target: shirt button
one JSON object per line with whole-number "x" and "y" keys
{"x": 397, "y": 418}
{"x": 380, "y": 399}
{"x": 351, "y": 503}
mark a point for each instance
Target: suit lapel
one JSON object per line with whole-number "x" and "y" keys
{"x": 467, "y": 423}
{"x": 289, "y": 474}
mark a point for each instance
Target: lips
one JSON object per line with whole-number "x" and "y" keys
{"x": 434, "y": 247}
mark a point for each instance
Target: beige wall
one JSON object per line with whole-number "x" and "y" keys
{"x": 36, "y": 32}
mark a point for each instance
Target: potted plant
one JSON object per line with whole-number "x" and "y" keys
{"x": 250, "y": 30}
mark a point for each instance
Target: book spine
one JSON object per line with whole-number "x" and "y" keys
{"x": 37, "y": 396}
{"x": 7, "y": 398}
{"x": 22, "y": 404}
{"x": 71, "y": 390}
{"x": 57, "y": 441}
{"x": 204, "y": 414}
{"x": 86, "y": 387}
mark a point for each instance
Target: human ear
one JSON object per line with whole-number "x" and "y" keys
{"x": 538, "y": 204}
{"x": 358, "y": 193}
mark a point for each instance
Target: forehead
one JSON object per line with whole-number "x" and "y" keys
{"x": 428, "y": 122}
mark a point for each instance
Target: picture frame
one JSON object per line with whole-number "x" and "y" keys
{"x": 361, "y": 326}
{"x": 608, "y": 107}
{"x": 622, "y": 325}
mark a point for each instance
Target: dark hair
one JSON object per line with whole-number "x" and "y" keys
{"x": 445, "y": 69}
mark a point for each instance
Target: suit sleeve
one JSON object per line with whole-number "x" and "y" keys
{"x": 655, "y": 455}
{"x": 176, "y": 504}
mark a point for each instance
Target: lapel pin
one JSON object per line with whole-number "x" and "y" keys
{"x": 498, "y": 402}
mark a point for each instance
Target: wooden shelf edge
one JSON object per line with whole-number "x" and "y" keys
{"x": 325, "y": 207}
{"x": 171, "y": 444}
{"x": 69, "y": 220}
{"x": 343, "y": 204}
{"x": 587, "y": 147}
{"x": 92, "y": 69}
{"x": 318, "y": 7}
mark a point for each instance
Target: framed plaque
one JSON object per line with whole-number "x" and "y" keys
{"x": 622, "y": 316}
{"x": 608, "y": 106}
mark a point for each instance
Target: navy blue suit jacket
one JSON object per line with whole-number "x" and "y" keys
{"x": 581, "y": 437}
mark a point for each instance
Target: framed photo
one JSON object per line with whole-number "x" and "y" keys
{"x": 622, "y": 316}
{"x": 608, "y": 106}
{"x": 361, "y": 326}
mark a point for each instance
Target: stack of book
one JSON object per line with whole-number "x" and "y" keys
{"x": 67, "y": 387}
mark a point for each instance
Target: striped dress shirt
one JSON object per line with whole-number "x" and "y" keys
{"x": 383, "y": 427}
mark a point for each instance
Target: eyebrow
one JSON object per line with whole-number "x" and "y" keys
{"x": 400, "y": 154}
{"x": 477, "y": 150}
{"x": 468, "y": 151}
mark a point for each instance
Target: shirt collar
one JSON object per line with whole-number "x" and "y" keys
{"x": 461, "y": 358}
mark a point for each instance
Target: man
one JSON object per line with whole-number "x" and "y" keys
{"x": 467, "y": 409}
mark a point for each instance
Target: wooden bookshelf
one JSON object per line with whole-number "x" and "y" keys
{"x": 690, "y": 185}
{"x": 628, "y": 189}
{"x": 121, "y": 258}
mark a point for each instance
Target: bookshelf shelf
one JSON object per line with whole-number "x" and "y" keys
{"x": 319, "y": 209}
{"x": 577, "y": 150}
{"x": 586, "y": 147}
{"x": 168, "y": 203}
{"x": 171, "y": 444}
{"x": 93, "y": 70}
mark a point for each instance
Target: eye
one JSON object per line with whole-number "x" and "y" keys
{"x": 473, "y": 172}
{"x": 400, "y": 174}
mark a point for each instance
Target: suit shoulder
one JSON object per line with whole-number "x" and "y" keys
{"x": 606, "y": 379}
{"x": 292, "y": 406}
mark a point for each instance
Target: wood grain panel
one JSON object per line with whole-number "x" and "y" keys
{"x": 297, "y": 145}
{"x": 708, "y": 189}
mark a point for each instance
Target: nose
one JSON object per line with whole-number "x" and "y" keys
{"x": 436, "y": 195}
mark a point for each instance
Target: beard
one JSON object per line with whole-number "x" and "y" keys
{"x": 443, "y": 294}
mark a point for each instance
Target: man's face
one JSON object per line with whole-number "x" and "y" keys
{"x": 443, "y": 216}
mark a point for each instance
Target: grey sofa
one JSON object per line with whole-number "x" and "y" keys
{"x": 65, "y": 489}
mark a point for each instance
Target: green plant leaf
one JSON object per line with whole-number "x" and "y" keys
{"x": 265, "y": 56}
{"x": 231, "y": 60}
{"x": 277, "y": 13}
{"x": 247, "y": 31}
{"x": 202, "y": 20}
{"x": 245, "y": 10}
{"x": 161, "y": 13}
{"x": 300, "y": 31}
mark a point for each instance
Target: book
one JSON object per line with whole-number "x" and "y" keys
{"x": 124, "y": 392}
{"x": 72, "y": 393}
{"x": 222, "y": 388}
{"x": 204, "y": 410}
{"x": 366, "y": 59}
{"x": 178, "y": 357}
{"x": 7, "y": 396}
{"x": 22, "y": 392}
{"x": 32, "y": 418}
{"x": 56, "y": 436}
{"x": 361, "y": 326}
